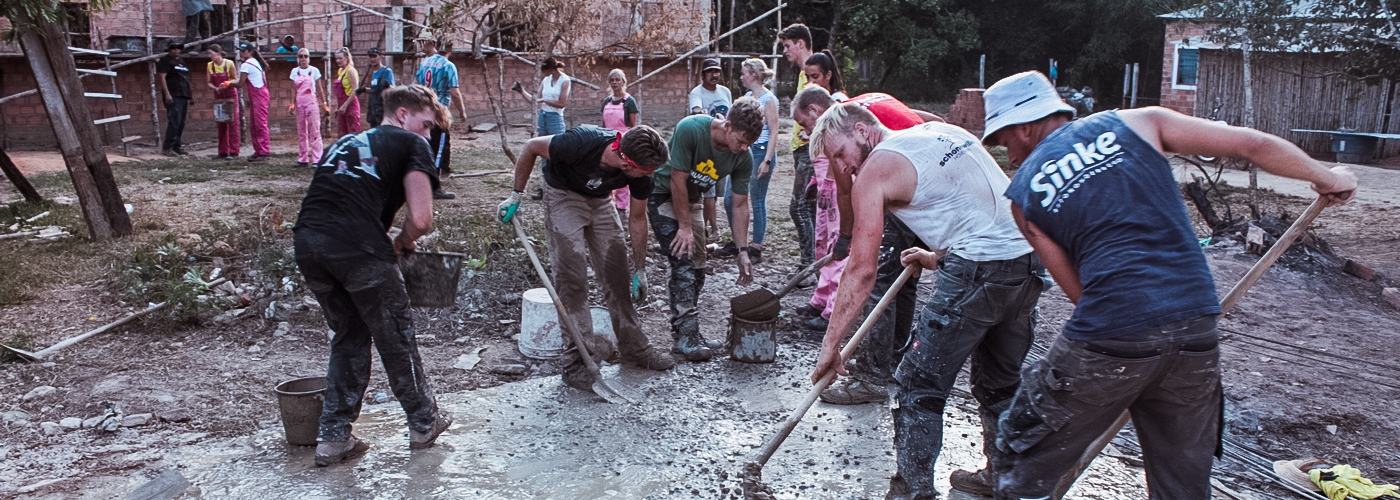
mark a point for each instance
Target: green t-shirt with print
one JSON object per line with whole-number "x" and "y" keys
{"x": 693, "y": 152}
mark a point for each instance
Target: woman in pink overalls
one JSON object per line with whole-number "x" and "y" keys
{"x": 222, "y": 73}
{"x": 307, "y": 109}
{"x": 252, "y": 74}
{"x": 347, "y": 79}
{"x": 620, "y": 113}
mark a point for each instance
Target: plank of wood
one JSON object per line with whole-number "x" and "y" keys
{"x": 100, "y": 95}
{"x": 89, "y": 51}
{"x": 102, "y": 72}
{"x": 130, "y": 138}
{"x": 112, "y": 119}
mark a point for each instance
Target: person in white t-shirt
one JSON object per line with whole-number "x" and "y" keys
{"x": 710, "y": 97}
{"x": 252, "y": 75}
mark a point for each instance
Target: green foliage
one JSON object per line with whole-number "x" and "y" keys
{"x": 166, "y": 272}
{"x": 45, "y": 11}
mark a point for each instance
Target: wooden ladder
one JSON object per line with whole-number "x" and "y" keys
{"x": 117, "y": 117}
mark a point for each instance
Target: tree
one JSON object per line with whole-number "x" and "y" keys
{"x": 1365, "y": 33}
{"x": 36, "y": 24}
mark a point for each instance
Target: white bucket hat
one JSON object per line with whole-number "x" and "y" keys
{"x": 1020, "y": 98}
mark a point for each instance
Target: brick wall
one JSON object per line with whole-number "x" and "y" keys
{"x": 1182, "y": 100}
{"x": 24, "y": 124}
{"x": 969, "y": 111}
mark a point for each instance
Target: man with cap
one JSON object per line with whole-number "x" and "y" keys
{"x": 880, "y": 353}
{"x": 584, "y": 166}
{"x": 1097, "y": 199}
{"x": 380, "y": 77}
{"x": 709, "y": 97}
{"x": 946, "y": 189}
{"x": 288, "y": 45}
{"x": 438, "y": 73}
{"x": 173, "y": 80}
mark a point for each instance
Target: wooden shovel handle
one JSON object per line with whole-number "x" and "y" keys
{"x": 773, "y": 443}
{"x": 564, "y": 322}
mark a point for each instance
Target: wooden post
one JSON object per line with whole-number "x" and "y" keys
{"x": 151, "y": 72}
{"x": 17, "y": 178}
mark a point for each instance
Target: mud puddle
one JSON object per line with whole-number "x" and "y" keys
{"x": 540, "y": 439}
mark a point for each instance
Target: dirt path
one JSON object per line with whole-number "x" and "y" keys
{"x": 208, "y": 384}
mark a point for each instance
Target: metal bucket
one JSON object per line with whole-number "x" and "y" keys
{"x": 223, "y": 110}
{"x": 431, "y": 277}
{"x": 753, "y": 341}
{"x": 300, "y": 401}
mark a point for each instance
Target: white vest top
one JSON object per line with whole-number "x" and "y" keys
{"x": 958, "y": 206}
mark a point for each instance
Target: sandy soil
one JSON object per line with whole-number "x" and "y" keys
{"x": 1306, "y": 359}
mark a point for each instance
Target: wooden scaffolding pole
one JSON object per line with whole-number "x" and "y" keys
{"x": 150, "y": 72}
{"x": 702, "y": 46}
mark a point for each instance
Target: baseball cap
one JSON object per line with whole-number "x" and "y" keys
{"x": 373, "y": 51}
{"x": 709, "y": 64}
{"x": 174, "y": 46}
{"x": 245, "y": 46}
{"x": 427, "y": 35}
{"x": 1020, "y": 98}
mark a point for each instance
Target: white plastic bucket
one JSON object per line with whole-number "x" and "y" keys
{"x": 540, "y": 335}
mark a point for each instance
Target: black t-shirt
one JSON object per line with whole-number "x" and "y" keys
{"x": 177, "y": 76}
{"x": 575, "y": 164}
{"x": 358, "y": 187}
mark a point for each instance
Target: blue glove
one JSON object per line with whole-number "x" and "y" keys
{"x": 506, "y": 210}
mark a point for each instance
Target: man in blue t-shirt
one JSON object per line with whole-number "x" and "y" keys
{"x": 1097, "y": 200}
{"x": 438, "y": 73}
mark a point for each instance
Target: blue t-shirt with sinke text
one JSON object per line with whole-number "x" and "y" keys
{"x": 1110, "y": 200}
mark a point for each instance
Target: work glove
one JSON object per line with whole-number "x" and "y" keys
{"x": 223, "y": 85}
{"x": 506, "y": 210}
{"x": 326, "y": 108}
{"x": 640, "y": 287}
{"x": 843, "y": 247}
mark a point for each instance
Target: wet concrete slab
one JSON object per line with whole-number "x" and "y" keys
{"x": 539, "y": 439}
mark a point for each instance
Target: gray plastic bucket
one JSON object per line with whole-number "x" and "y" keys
{"x": 300, "y": 401}
{"x": 431, "y": 278}
{"x": 753, "y": 341}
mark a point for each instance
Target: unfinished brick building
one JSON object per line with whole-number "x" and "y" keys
{"x": 321, "y": 26}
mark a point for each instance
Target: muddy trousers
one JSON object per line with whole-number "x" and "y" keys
{"x": 581, "y": 229}
{"x": 981, "y": 310}
{"x": 883, "y": 348}
{"x": 803, "y": 206}
{"x": 1168, "y": 378}
{"x": 687, "y": 273}
{"x": 364, "y": 301}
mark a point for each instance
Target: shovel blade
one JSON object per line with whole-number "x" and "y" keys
{"x": 610, "y": 392}
{"x": 20, "y": 354}
{"x": 758, "y": 304}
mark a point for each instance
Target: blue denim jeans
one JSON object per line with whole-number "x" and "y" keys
{"x": 365, "y": 304}
{"x": 1167, "y": 378}
{"x": 549, "y": 123}
{"x": 980, "y": 310}
{"x": 758, "y": 194}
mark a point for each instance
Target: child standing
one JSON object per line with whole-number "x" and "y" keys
{"x": 307, "y": 109}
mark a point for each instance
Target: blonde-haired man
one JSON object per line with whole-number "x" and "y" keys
{"x": 938, "y": 181}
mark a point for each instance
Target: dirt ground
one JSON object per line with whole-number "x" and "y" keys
{"x": 1307, "y": 366}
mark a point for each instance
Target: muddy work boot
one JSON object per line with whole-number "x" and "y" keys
{"x": 334, "y": 452}
{"x": 423, "y": 440}
{"x": 692, "y": 348}
{"x": 855, "y": 392}
{"x": 650, "y": 359}
{"x": 982, "y": 482}
{"x": 576, "y": 373}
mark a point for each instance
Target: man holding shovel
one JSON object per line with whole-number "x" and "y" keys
{"x": 880, "y": 353}
{"x": 704, "y": 150}
{"x": 345, "y": 253}
{"x": 584, "y": 166}
{"x": 947, "y": 189}
{"x": 1097, "y": 200}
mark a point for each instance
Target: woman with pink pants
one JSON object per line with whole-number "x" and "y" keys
{"x": 252, "y": 74}
{"x": 307, "y": 109}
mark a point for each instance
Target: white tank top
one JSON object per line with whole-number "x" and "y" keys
{"x": 958, "y": 205}
{"x": 550, "y": 90}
